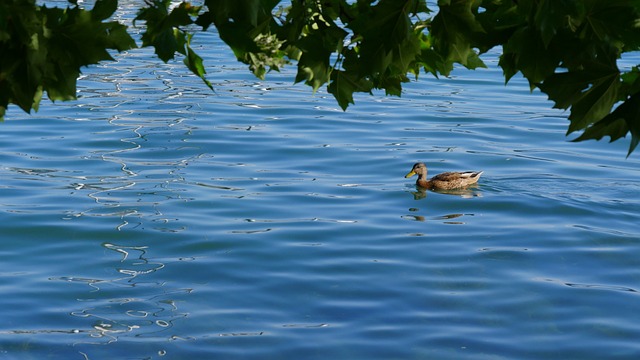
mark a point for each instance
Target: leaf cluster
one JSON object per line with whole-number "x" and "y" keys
{"x": 165, "y": 32}
{"x": 569, "y": 49}
{"x": 43, "y": 49}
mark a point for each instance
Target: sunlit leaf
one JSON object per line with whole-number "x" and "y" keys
{"x": 195, "y": 64}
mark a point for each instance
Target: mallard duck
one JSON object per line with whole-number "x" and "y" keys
{"x": 444, "y": 181}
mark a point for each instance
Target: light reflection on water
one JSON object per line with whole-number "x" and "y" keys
{"x": 152, "y": 218}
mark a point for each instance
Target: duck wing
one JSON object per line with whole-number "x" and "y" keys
{"x": 453, "y": 176}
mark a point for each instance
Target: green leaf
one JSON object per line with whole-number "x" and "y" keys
{"x": 45, "y": 49}
{"x": 405, "y": 54}
{"x": 245, "y": 26}
{"x": 344, "y": 84}
{"x": 631, "y": 80}
{"x": 392, "y": 85}
{"x": 590, "y": 93}
{"x": 164, "y": 32}
{"x": 103, "y": 9}
{"x": 553, "y": 16}
{"x": 239, "y": 22}
{"x": 166, "y": 43}
{"x": 454, "y": 29}
{"x": 266, "y": 55}
{"x": 429, "y": 59}
{"x": 615, "y": 22}
{"x": 317, "y": 47}
{"x": 387, "y": 37}
{"x": 163, "y": 27}
{"x": 624, "y": 119}
{"x": 195, "y": 64}
{"x": 508, "y": 62}
{"x": 251, "y": 13}
{"x": 525, "y": 52}
{"x": 314, "y": 71}
{"x": 119, "y": 39}
{"x": 63, "y": 86}
{"x": 182, "y": 14}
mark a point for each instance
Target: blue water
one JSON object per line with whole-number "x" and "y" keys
{"x": 154, "y": 219}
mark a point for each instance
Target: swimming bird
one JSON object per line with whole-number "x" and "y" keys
{"x": 444, "y": 181}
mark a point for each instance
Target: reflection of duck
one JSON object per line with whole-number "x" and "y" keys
{"x": 444, "y": 181}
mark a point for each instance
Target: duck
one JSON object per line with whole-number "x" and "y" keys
{"x": 444, "y": 181}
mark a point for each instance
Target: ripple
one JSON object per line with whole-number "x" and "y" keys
{"x": 591, "y": 286}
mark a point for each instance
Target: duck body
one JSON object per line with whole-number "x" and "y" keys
{"x": 444, "y": 181}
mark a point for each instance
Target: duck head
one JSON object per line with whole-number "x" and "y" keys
{"x": 418, "y": 168}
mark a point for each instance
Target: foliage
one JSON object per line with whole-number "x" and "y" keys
{"x": 42, "y": 49}
{"x": 164, "y": 33}
{"x": 569, "y": 49}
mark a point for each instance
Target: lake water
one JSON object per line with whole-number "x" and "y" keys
{"x": 154, "y": 219}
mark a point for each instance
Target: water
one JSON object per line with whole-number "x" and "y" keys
{"x": 153, "y": 219}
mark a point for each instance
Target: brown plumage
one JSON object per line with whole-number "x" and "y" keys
{"x": 444, "y": 181}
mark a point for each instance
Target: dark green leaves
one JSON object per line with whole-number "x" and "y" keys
{"x": 614, "y": 22}
{"x": 525, "y": 52}
{"x": 385, "y": 45}
{"x": 387, "y": 37}
{"x": 623, "y": 120}
{"x": 164, "y": 31}
{"x": 43, "y": 49}
{"x": 103, "y": 9}
{"x": 246, "y": 26}
{"x": 163, "y": 28}
{"x": 589, "y": 94}
{"x": 454, "y": 30}
{"x": 569, "y": 49}
{"x": 343, "y": 85}
{"x": 322, "y": 39}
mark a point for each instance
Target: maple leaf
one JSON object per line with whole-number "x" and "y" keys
{"x": 344, "y": 84}
{"x": 453, "y": 29}
{"x": 589, "y": 93}
{"x": 623, "y": 120}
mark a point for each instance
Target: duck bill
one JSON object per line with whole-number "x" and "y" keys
{"x": 410, "y": 174}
